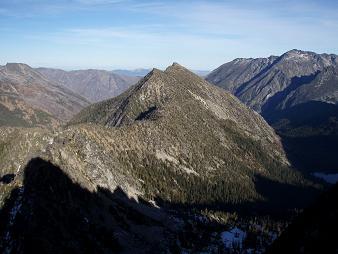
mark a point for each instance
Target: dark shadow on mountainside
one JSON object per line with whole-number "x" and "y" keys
{"x": 309, "y": 133}
{"x": 52, "y": 214}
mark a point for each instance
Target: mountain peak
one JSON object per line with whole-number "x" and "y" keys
{"x": 296, "y": 53}
{"x": 154, "y": 71}
{"x": 18, "y": 67}
{"x": 178, "y": 71}
{"x": 174, "y": 66}
{"x": 23, "y": 71}
{"x": 154, "y": 76}
{"x": 169, "y": 96}
{"x": 241, "y": 59}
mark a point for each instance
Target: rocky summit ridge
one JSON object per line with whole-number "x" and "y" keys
{"x": 256, "y": 81}
{"x": 169, "y": 94}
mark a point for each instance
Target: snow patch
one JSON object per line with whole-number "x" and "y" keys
{"x": 166, "y": 157}
{"x": 142, "y": 97}
{"x": 200, "y": 99}
{"x": 234, "y": 237}
{"x": 189, "y": 170}
{"x": 329, "y": 178}
{"x": 153, "y": 203}
{"x": 269, "y": 95}
{"x": 213, "y": 107}
{"x": 51, "y": 141}
{"x": 12, "y": 216}
{"x": 163, "y": 156}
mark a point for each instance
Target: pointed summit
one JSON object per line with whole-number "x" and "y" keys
{"x": 176, "y": 123}
{"x": 17, "y": 67}
{"x": 22, "y": 69}
{"x": 176, "y": 67}
{"x": 297, "y": 53}
{"x": 172, "y": 92}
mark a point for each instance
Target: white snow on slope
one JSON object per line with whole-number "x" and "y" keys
{"x": 233, "y": 237}
{"x": 329, "y": 178}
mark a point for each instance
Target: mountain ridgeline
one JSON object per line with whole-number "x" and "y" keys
{"x": 297, "y": 94}
{"x": 94, "y": 85}
{"x": 97, "y": 85}
{"x": 257, "y": 81}
{"x": 28, "y": 99}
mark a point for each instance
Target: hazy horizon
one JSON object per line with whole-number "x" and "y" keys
{"x": 129, "y": 34}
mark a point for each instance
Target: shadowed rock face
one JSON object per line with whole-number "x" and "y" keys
{"x": 28, "y": 99}
{"x": 94, "y": 85}
{"x": 313, "y": 231}
{"x": 297, "y": 94}
{"x": 8, "y": 178}
{"x": 50, "y": 213}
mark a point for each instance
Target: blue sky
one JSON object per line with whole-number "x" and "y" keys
{"x": 110, "y": 34}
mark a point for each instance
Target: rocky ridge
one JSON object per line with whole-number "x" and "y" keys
{"x": 256, "y": 81}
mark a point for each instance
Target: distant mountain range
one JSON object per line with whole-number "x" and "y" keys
{"x": 143, "y": 72}
{"x": 94, "y": 85}
{"x": 97, "y": 85}
{"x": 28, "y": 99}
{"x": 133, "y": 73}
{"x": 53, "y": 95}
{"x": 297, "y": 93}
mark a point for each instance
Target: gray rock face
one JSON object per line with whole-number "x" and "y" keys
{"x": 297, "y": 93}
{"x": 94, "y": 85}
{"x": 239, "y": 71}
{"x": 257, "y": 81}
{"x": 324, "y": 87}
